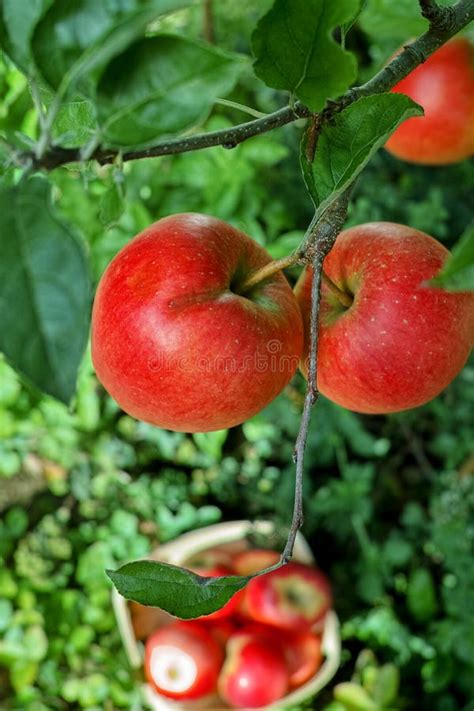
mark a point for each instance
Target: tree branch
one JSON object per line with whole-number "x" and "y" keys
{"x": 319, "y": 240}
{"x": 444, "y": 24}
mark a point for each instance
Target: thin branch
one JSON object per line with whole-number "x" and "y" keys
{"x": 438, "y": 17}
{"x": 226, "y": 137}
{"x": 446, "y": 22}
{"x": 321, "y": 236}
{"x": 269, "y": 270}
{"x": 208, "y": 29}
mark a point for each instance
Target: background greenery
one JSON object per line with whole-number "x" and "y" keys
{"x": 389, "y": 500}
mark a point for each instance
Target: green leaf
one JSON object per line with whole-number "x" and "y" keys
{"x": 457, "y": 273}
{"x": 295, "y": 51}
{"x": 79, "y": 37}
{"x": 347, "y": 143}
{"x": 385, "y": 19}
{"x": 112, "y": 202}
{"x": 17, "y": 23}
{"x": 161, "y": 85}
{"x": 421, "y": 596}
{"x": 75, "y": 123}
{"x": 176, "y": 590}
{"x": 44, "y": 290}
{"x": 354, "y": 697}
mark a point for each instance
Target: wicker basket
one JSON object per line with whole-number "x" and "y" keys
{"x": 229, "y": 537}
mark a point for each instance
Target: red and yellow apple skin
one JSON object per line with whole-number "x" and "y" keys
{"x": 293, "y": 597}
{"x": 254, "y": 560}
{"x": 444, "y": 87}
{"x": 174, "y": 342}
{"x": 183, "y": 661}
{"x": 401, "y": 342}
{"x": 254, "y": 673}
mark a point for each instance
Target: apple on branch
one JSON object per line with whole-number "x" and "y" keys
{"x": 444, "y": 87}
{"x": 180, "y": 340}
{"x": 396, "y": 342}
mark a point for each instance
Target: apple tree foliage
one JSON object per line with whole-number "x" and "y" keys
{"x": 109, "y": 82}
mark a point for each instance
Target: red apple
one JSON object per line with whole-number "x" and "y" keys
{"x": 444, "y": 87}
{"x": 303, "y": 655}
{"x": 221, "y": 629}
{"x": 401, "y": 342}
{"x": 302, "y": 649}
{"x": 178, "y": 342}
{"x": 293, "y": 597}
{"x": 183, "y": 660}
{"x": 231, "y": 606}
{"x": 254, "y": 673}
{"x": 253, "y": 560}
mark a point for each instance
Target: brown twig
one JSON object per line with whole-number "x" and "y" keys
{"x": 268, "y": 270}
{"x": 321, "y": 236}
{"x": 208, "y": 23}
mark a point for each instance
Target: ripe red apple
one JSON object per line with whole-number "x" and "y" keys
{"x": 253, "y": 560}
{"x": 231, "y": 606}
{"x": 302, "y": 649}
{"x": 303, "y": 655}
{"x": 183, "y": 660}
{"x": 401, "y": 342}
{"x": 254, "y": 673}
{"x": 444, "y": 87}
{"x": 177, "y": 342}
{"x": 293, "y": 597}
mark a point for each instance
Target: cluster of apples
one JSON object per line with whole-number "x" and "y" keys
{"x": 181, "y": 341}
{"x": 263, "y": 643}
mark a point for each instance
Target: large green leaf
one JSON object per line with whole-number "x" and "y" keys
{"x": 347, "y": 143}
{"x": 176, "y": 590}
{"x": 295, "y": 51}
{"x": 161, "y": 85}
{"x": 18, "y": 19}
{"x": 458, "y": 271}
{"x": 44, "y": 290}
{"x": 77, "y": 38}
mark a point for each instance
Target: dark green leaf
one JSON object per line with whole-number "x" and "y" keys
{"x": 161, "y": 85}
{"x": 79, "y": 37}
{"x": 17, "y": 23}
{"x": 421, "y": 596}
{"x": 295, "y": 51}
{"x": 176, "y": 590}
{"x": 44, "y": 290}
{"x": 458, "y": 272}
{"x": 347, "y": 143}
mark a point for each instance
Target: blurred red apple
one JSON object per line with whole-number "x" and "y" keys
{"x": 253, "y": 560}
{"x": 183, "y": 660}
{"x": 292, "y": 597}
{"x": 254, "y": 673}
{"x": 444, "y": 87}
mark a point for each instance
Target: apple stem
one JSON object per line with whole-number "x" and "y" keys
{"x": 345, "y": 299}
{"x": 267, "y": 271}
